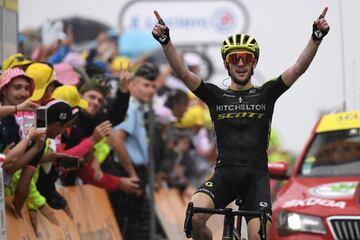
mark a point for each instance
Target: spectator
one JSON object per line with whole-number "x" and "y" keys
{"x": 131, "y": 149}
{"x": 170, "y": 147}
{"x": 17, "y": 156}
{"x": 59, "y": 114}
{"x": 89, "y": 144}
{"x": 43, "y": 75}
{"x": 90, "y": 126}
{"x": 15, "y": 88}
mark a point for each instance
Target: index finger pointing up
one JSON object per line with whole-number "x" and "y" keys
{"x": 322, "y": 15}
{"x": 157, "y": 15}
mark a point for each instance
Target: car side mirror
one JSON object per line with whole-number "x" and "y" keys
{"x": 278, "y": 170}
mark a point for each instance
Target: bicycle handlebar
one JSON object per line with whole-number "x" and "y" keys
{"x": 228, "y": 212}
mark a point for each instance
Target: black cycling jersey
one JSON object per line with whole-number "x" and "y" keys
{"x": 242, "y": 121}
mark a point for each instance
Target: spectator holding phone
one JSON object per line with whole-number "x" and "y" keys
{"x": 59, "y": 115}
{"x": 15, "y": 89}
{"x": 17, "y": 156}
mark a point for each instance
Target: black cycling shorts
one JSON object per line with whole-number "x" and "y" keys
{"x": 251, "y": 184}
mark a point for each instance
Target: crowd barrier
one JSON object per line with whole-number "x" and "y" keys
{"x": 93, "y": 218}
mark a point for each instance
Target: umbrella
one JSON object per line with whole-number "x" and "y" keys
{"x": 132, "y": 43}
{"x": 84, "y": 29}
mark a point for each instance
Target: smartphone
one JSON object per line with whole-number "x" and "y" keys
{"x": 41, "y": 118}
{"x": 68, "y": 163}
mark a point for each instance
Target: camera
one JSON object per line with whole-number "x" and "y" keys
{"x": 68, "y": 163}
{"x": 41, "y": 118}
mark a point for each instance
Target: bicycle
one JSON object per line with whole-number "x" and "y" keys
{"x": 229, "y": 218}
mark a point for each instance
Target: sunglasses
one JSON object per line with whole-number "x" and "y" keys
{"x": 234, "y": 58}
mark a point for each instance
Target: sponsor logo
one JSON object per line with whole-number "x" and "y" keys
{"x": 314, "y": 201}
{"x": 222, "y": 116}
{"x": 62, "y": 116}
{"x": 335, "y": 190}
{"x": 209, "y": 184}
{"x": 224, "y": 20}
{"x": 318, "y": 33}
{"x": 263, "y": 204}
{"x": 240, "y": 99}
{"x": 252, "y": 91}
{"x": 241, "y": 107}
{"x": 207, "y": 192}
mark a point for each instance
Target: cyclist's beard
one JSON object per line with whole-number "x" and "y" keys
{"x": 241, "y": 82}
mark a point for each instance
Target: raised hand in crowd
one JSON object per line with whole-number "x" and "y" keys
{"x": 27, "y": 106}
{"x": 69, "y": 40}
{"x": 39, "y": 136}
{"x": 125, "y": 77}
{"x": 16, "y": 157}
{"x": 102, "y": 130}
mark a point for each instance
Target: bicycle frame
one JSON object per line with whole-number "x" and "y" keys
{"x": 229, "y": 215}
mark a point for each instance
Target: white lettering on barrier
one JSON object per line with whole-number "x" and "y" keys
{"x": 314, "y": 201}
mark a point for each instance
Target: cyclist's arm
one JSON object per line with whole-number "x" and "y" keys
{"x": 162, "y": 35}
{"x": 320, "y": 29}
{"x": 191, "y": 80}
{"x": 302, "y": 63}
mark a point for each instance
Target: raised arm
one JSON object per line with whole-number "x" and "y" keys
{"x": 320, "y": 29}
{"x": 161, "y": 34}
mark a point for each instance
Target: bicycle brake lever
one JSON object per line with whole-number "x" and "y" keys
{"x": 188, "y": 220}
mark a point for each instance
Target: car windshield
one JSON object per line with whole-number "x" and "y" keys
{"x": 335, "y": 153}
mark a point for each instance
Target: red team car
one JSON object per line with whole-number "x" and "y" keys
{"x": 321, "y": 199}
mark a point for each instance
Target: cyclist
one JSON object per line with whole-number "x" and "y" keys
{"x": 241, "y": 117}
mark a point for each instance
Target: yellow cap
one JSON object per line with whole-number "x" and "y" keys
{"x": 15, "y": 60}
{"x": 71, "y": 95}
{"x": 120, "y": 63}
{"x": 194, "y": 116}
{"x": 42, "y": 74}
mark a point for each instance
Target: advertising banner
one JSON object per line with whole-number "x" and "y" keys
{"x": 208, "y": 20}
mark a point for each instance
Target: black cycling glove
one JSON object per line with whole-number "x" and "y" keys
{"x": 318, "y": 35}
{"x": 165, "y": 38}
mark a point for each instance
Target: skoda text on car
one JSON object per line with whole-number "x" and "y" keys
{"x": 321, "y": 200}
